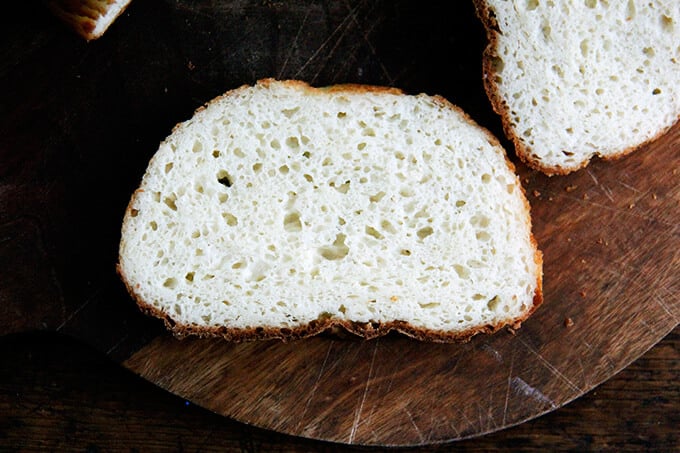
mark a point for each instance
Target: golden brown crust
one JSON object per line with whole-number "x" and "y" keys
{"x": 367, "y": 330}
{"x": 82, "y": 16}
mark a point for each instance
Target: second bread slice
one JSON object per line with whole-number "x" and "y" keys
{"x": 574, "y": 80}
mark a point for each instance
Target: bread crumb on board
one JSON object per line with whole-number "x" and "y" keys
{"x": 568, "y": 322}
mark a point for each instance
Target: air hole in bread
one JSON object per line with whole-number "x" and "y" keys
{"x": 373, "y": 232}
{"x": 216, "y": 153}
{"x": 486, "y": 178}
{"x": 386, "y": 225}
{"x": 532, "y": 4}
{"x": 497, "y": 64}
{"x": 656, "y": 91}
{"x": 170, "y": 202}
{"x": 406, "y": 192}
{"x": 342, "y": 188}
{"x": 230, "y": 219}
{"x": 292, "y": 223}
{"x": 546, "y": 30}
{"x": 337, "y": 251}
{"x": 275, "y": 144}
{"x": 480, "y": 220}
{"x": 284, "y": 169}
{"x": 222, "y": 197}
{"x": 238, "y": 152}
{"x": 224, "y": 178}
{"x": 630, "y": 10}
{"x": 428, "y": 305}
{"x": 189, "y": 277}
{"x": 462, "y": 271}
{"x": 666, "y": 23}
{"x": 557, "y": 69}
{"x": 198, "y": 147}
{"x": 134, "y": 212}
{"x": 591, "y": 3}
{"x": 475, "y": 264}
{"x": 170, "y": 283}
{"x": 168, "y": 167}
{"x": 288, "y": 113}
{"x": 482, "y": 236}
{"x": 425, "y": 232}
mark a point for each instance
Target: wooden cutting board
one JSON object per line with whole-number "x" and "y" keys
{"x": 80, "y": 121}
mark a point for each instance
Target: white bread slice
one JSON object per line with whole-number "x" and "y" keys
{"x": 281, "y": 210}
{"x": 89, "y": 18}
{"x": 577, "y": 79}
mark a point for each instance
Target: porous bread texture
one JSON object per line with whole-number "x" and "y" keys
{"x": 281, "y": 210}
{"x": 576, "y": 79}
{"x": 89, "y": 18}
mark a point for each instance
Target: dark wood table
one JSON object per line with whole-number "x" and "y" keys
{"x": 56, "y": 394}
{"x": 78, "y": 123}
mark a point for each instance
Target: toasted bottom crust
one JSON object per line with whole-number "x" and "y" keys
{"x": 367, "y": 330}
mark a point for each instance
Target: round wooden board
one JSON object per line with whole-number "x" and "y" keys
{"x": 81, "y": 120}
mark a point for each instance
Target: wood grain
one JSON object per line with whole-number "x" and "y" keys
{"x": 63, "y": 395}
{"x": 79, "y": 123}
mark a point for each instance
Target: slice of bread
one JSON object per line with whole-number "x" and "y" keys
{"x": 281, "y": 210}
{"x": 89, "y": 18}
{"x": 577, "y": 79}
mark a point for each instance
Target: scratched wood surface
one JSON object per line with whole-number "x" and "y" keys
{"x": 80, "y": 121}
